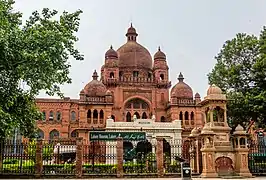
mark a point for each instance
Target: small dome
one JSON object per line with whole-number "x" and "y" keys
{"x": 108, "y": 93}
{"x": 111, "y": 54}
{"x": 132, "y": 54}
{"x": 95, "y": 87}
{"x": 181, "y": 89}
{"x": 239, "y": 128}
{"x": 213, "y": 89}
{"x": 82, "y": 91}
{"x": 197, "y": 95}
{"x": 159, "y": 55}
{"x": 131, "y": 30}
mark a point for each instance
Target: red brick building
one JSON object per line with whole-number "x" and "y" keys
{"x": 131, "y": 82}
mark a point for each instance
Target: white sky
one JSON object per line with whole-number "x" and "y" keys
{"x": 190, "y": 32}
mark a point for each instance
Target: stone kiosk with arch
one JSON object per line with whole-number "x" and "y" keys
{"x": 223, "y": 154}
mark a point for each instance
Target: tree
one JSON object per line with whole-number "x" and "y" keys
{"x": 240, "y": 73}
{"x": 35, "y": 53}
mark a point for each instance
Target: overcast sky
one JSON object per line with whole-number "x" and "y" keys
{"x": 190, "y": 32}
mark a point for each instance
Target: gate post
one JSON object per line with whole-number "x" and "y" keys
{"x": 119, "y": 156}
{"x": 39, "y": 160}
{"x": 159, "y": 157}
{"x": 79, "y": 157}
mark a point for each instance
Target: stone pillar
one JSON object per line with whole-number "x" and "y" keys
{"x": 159, "y": 157}
{"x": 39, "y": 160}
{"x": 208, "y": 164}
{"x": 241, "y": 162}
{"x": 79, "y": 157}
{"x": 119, "y": 156}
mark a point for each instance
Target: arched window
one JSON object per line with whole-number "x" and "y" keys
{"x": 137, "y": 115}
{"x": 73, "y": 116}
{"x": 74, "y": 134}
{"x": 58, "y": 116}
{"x": 40, "y": 134}
{"x": 43, "y": 115}
{"x": 113, "y": 117}
{"x": 161, "y": 77}
{"x": 54, "y": 134}
{"x": 128, "y": 116}
{"x": 181, "y": 115}
{"x": 186, "y": 115}
{"x": 112, "y": 75}
{"x": 135, "y": 74}
{"x": 163, "y": 119}
{"x": 120, "y": 74}
{"x": 149, "y": 75}
{"x": 192, "y": 115}
{"x": 144, "y": 116}
{"x": 95, "y": 116}
{"x": 89, "y": 116}
{"x": 101, "y": 116}
{"x": 51, "y": 116}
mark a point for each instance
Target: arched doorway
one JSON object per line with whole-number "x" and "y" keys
{"x": 137, "y": 107}
{"x": 143, "y": 149}
{"x": 224, "y": 165}
{"x": 128, "y": 151}
{"x": 166, "y": 152}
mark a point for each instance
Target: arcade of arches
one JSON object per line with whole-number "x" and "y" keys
{"x": 129, "y": 72}
{"x": 136, "y": 107}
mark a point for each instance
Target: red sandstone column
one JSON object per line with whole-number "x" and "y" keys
{"x": 79, "y": 157}
{"x": 119, "y": 155}
{"x": 159, "y": 157}
{"x": 39, "y": 161}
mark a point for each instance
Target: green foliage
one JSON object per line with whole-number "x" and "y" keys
{"x": 15, "y": 165}
{"x": 47, "y": 150}
{"x": 36, "y": 54}
{"x": 240, "y": 73}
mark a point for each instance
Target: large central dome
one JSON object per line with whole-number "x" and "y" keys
{"x": 133, "y": 54}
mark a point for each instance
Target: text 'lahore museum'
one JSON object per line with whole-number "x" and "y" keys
{"x": 130, "y": 98}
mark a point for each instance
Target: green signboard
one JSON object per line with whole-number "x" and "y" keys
{"x": 112, "y": 136}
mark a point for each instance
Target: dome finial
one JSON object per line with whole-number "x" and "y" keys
{"x": 111, "y": 47}
{"x": 180, "y": 77}
{"x": 131, "y": 33}
{"x": 95, "y": 75}
{"x": 159, "y": 48}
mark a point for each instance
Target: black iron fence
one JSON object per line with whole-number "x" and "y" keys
{"x": 139, "y": 157}
{"x": 99, "y": 158}
{"x": 257, "y": 158}
{"x": 17, "y": 158}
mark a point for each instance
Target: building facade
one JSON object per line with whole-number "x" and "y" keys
{"x": 131, "y": 83}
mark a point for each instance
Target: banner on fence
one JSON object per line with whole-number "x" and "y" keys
{"x": 112, "y": 136}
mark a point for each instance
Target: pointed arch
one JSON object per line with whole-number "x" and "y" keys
{"x": 95, "y": 116}
{"x": 192, "y": 115}
{"x": 101, "y": 116}
{"x": 128, "y": 117}
{"x": 181, "y": 115}
{"x": 74, "y": 134}
{"x": 51, "y": 116}
{"x": 44, "y": 116}
{"x": 144, "y": 116}
{"x": 163, "y": 119}
{"x": 137, "y": 115}
{"x": 186, "y": 115}
{"x": 54, "y": 134}
{"x": 58, "y": 116}
{"x": 40, "y": 134}
{"x": 89, "y": 116}
{"x": 73, "y": 116}
{"x": 113, "y": 117}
